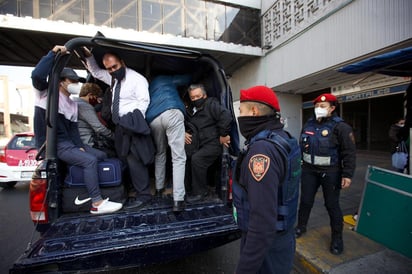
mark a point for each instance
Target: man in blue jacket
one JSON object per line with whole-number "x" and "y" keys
{"x": 165, "y": 116}
{"x": 70, "y": 148}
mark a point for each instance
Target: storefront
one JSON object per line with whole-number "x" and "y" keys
{"x": 370, "y": 106}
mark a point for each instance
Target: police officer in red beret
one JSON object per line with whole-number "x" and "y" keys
{"x": 329, "y": 160}
{"x": 260, "y": 184}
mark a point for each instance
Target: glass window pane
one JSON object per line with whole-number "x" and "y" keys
{"x": 100, "y": 14}
{"x": 68, "y": 10}
{"x": 151, "y": 16}
{"x": 215, "y": 21}
{"x": 26, "y": 8}
{"x": 125, "y": 14}
{"x": 243, "y": 26}
{"x": 45, "y": 8}
{"x": 195, "y": 19}
{"x": 172, "y": 17}
{"x": 8, "y": 7}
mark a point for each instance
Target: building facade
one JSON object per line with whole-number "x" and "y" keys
{"x": 292, "y": 46}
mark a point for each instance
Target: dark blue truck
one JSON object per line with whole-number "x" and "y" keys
{"x": 81, "y": 242}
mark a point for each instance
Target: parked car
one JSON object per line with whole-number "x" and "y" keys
{"x": 17, "y": 160}
{"x": 80, "y": 241}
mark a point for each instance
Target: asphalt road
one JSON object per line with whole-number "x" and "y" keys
{"x": 16, "y": 230}
{"x": 16, "y": 227}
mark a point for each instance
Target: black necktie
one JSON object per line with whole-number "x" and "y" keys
{"x": 115, "y": 106}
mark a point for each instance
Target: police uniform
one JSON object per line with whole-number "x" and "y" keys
{"x": 328, "y": 155}
{"x": 260, "y": 171}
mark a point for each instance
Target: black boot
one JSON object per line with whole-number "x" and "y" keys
{"x": 336, "y": 246}
{"x": 159, "y": 193}
{"x": 178, "y": 206}
{"x": 299, "y": 231}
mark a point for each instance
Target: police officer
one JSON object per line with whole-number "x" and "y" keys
{"x": 329, "y": 160}
{"x": 267, "y": 244}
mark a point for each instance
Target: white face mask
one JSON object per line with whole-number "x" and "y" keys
{"x": 321, "y": 112}
{"x": 74, "y": 88}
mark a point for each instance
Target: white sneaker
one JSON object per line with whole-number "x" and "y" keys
{"x": 106, "y": 207}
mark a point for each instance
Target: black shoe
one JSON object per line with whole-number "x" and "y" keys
{"x": 196, "y": 198}
{"x": 336, "y": 246}
{"x": 136, "y": 202}
{"x": 132, "y": 202}
{"x": 178, "y": 206}
{"x": 159, "y": 193}
{"x": 299, "y": 231}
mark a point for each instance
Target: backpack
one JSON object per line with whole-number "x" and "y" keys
{"x": 288, "y": 193}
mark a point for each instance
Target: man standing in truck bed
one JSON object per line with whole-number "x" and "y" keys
{"x": 130, "y": 100}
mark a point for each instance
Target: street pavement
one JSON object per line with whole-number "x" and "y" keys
{"x": 361, "y": 255}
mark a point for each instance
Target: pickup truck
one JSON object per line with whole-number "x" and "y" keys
{"x": 82, "y": 242}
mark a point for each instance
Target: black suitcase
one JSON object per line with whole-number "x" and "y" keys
{"x": 76, "y": 199}
{"x": 109, "y": 172}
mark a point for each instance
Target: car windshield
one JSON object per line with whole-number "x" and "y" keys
{"x": 21, "y": 143}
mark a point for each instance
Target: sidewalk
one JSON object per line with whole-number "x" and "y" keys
{"x": 361, "y": 255}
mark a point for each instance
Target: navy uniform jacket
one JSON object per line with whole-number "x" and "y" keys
{"x": 262, "y": 170}
{"x": 343, "y": 139}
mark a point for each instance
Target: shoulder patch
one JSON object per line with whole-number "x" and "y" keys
{"x": 258, "y": 166}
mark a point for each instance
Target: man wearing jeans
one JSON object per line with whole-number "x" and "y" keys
{"x": 70, "y": 148}
{"x": 165, "y": 116}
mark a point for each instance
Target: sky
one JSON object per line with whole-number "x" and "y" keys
{"x": 18, "y": 75}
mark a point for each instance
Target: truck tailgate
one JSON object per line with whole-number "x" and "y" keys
{"x": 127, "y": 239}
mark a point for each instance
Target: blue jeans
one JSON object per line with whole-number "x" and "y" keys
{"x": 72, "y": 155}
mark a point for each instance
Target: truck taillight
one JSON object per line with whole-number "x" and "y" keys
{"x": 38, "y": 205}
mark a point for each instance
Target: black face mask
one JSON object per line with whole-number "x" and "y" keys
{"x": 249, "y": 126}
{"x": 119, "y": 74}
{"x": 199, "y": 102}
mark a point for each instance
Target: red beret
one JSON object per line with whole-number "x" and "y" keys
{"x": 260, "y": 94}
{"x": 326, "y": 97}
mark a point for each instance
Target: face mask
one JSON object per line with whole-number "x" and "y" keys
{"x": 119, "y": 74}
{"x": 321, "y": 112}
{"x": 247, "y": 124}
{"x": 74, "y": 88}
{"x": 93, "y": 101}
{"x": 199, "y": 102}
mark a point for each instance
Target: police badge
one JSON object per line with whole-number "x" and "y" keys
{"x": 258, "y": 166}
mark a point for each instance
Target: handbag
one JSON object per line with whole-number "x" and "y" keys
{"x": 400, "y": 157}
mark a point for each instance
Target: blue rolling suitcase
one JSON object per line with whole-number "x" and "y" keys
{"x": 75, "y": 195}
{"x": 109, "y": 172}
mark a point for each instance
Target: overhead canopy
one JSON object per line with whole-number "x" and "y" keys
{"x": 394, "y": 63}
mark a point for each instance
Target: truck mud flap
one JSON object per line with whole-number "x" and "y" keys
{"x": 128, "y": 239}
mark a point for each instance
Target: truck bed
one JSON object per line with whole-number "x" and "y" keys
{"x": 153, "y": 234}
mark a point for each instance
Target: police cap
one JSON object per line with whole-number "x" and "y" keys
{"x": 325, "y": 97}
{"x": 260, "y": 94}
